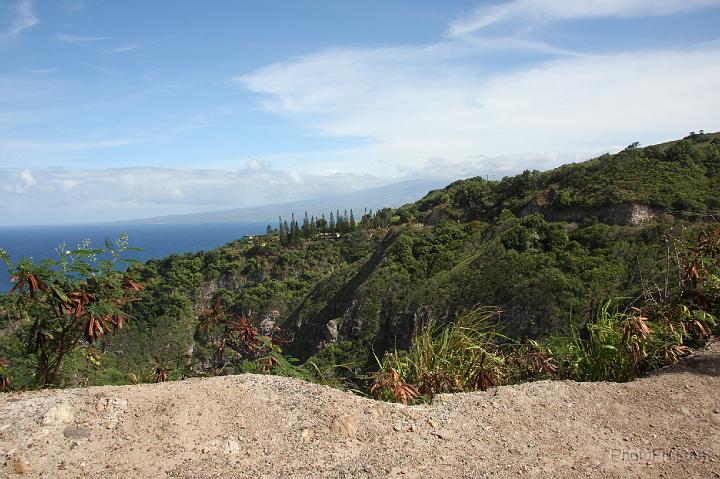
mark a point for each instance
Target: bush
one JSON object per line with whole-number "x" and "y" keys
{"x": 461, "y": 356}
{"x": 58, "y": 306}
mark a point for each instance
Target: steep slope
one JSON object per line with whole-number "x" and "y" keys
{"x": 667, "y": 425}
{"x": 547, "y": 248}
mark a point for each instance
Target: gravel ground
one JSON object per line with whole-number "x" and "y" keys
{"x": 664, "y": 425}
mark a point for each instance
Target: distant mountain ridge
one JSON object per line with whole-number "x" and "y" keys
{"x": 392, "y": 195}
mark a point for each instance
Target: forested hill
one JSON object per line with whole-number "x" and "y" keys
{"x": 547, "y": 248}
{"x": 681, "y": 177}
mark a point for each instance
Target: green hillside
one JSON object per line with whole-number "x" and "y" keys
{"x": 680, "y": 176}
{"x": 547, "y": 248}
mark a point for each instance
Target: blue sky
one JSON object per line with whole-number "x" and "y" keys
{"x": 113, "y": 110}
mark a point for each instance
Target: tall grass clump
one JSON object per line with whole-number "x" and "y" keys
{"x": 601, "y": 351}
{"x": 460, "y": 356}
{"x": 621, "y": 345}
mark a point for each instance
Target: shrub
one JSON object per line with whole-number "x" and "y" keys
{"x": 60, "y": 305}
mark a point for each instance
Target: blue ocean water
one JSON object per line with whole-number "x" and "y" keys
{"x": 157, "y": 241}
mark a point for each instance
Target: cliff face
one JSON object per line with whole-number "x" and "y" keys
{"x": 623, "y": 214}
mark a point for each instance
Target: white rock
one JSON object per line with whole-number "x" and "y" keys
{"x": 58, "y": 414}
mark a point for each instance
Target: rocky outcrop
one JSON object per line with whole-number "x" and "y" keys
{"x": 627, "y": 214}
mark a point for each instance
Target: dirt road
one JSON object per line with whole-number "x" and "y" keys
{"x": 665, "y": 425}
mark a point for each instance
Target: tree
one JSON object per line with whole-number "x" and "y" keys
{"x": 295, "y": 233}
{"x": 285, "y": 238}
{"x": 282, "y": 228}
{"x": 292, "y": 238}
{"x": 306, "y": 226}
{"x": 71, "y": 302}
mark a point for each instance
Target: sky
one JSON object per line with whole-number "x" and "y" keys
{"x": 116, "y": 110}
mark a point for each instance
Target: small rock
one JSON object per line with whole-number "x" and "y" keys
{"x": 57, "y": 415}
{"x": 231, "y": 447}
{"x": 21, "y": 465}
{"x": 74, "y": 432}
{"x": 344, "y": 425}
{"x": 433, "y": 424}
{"x": 307, "y": 435}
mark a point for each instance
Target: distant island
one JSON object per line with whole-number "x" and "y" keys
{"x": 392, "y": 195}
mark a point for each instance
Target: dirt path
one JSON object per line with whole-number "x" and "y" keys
{"x": 251, "y": 426}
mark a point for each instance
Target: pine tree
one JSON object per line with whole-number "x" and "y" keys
{"x": 332, "y": 222}
{"x": 286, "y": 229}
{"x": 295, "y": 234}
{"x": 352, "y": 221}
{"x": 292, "y": 236}
{"x": 282, "y": 228}
{"x": 322, "y": 224}
{"x": 306, "y": 226}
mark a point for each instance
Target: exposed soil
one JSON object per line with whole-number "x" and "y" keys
{"x": 664, "y": 425}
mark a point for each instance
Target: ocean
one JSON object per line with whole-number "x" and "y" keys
{"x": 156, "y": 240}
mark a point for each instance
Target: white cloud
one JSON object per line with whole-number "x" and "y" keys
{"x": 255, "y": 165}
{"x": 439, "y": 101}
{"x": 544, "y": 11}
{"x": 124, "y": 48}
{"x": 19, "y": 182}
{"x": 24, "y": 19}
{"x": 68, "y": 38}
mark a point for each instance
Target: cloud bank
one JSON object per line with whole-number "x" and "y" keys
{"x": 124, "y": 193}
{"x": 439, "y": 101}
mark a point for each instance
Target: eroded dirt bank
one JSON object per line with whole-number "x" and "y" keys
{"x": 665, "y": 425}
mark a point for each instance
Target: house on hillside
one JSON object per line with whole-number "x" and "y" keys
{"x": 327, "y": 235}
